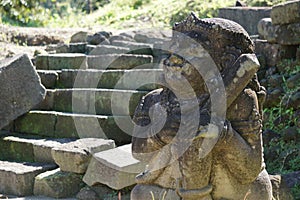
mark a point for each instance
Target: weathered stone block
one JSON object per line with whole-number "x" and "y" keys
{"x": 96, "y": 101}
{"x": 16, "y": 149}
{"x": 37, "y": 122}
{"x": 270, "y": 52}
{"x": 266, "y": 30}
{"x": 106, "y": 49}
{"x": 152, "y": 36}
{"x": 79, "y": 37}
{"x": 42, "y": 149}
{"x": 288, "y": 34}
{"x": 71, "y": 125}
{"x": 115, "y": 168}
{"x": 77, "y": 47}
{"x": 21, "y": 88}
{"x": 28, "y": 148}
{"x": 48, "y": 78}
{"x": 18, "y": 178}
{"x": 61, "y": 61}
{"x": 75, "y": 156}
{"x": 121, "y": 37}
{"x": 135, "y": 47}
{"x": 286, "y": 13}
{"x": 57, "y": 184}
{"x": 118, "y": 61}
{"x": 247, "y": 17}
{"x": 126, "y": 79}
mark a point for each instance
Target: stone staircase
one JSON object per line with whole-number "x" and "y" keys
{"x": 92, "y": 91}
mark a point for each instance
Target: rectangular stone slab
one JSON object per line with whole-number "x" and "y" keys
{"x": 110, "y": 79}
{"x": 75, "y": 156}
{"x": 106, "y": 49}
{"x": 61, "y": 61}
{"x": 20, "y": 88}
{"x": 28, "y": 148}
{"x": 96, "y": 101}
{"x": 18, "y": 178}
{"x": 247, "y": 17}
{"x": 70, "y": 125}
{"x": 286, "y": 13}
{"x": 118, "y": 61}
{"x": 57, "y": 184}
{"x": 115, "y": 168}
{"x": 135, "y": 47}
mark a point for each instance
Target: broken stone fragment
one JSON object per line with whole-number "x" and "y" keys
{"x": 75, "y": 156}
{"x": 20, "y": 88}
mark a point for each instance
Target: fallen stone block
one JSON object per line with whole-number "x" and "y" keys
{"x": 288, "y": 34}
{"x": 135, "y": 47}
{"x": 118, "y": 61}
{"x": 247, "y": 17}
{"x": 42, "y": 148}
{"x": 61, "y": 61}
{"x": 286, "y": 13}
{"x": 79, "y": 37}
{"x": 18, "y": 178}
{"x": 57, "y": 184}
{"x": 20, "y": 88}
{"x": 106, "y": 49}
{"x": 75, "y": 156}
{"x": 115, "y": 168}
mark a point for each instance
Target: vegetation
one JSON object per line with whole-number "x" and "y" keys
{"x": 283, "y": 149}
{"x": 113, "y": 13}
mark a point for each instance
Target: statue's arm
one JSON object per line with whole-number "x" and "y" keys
{"x": 144, "y": 144}
{"x": 243, "y": 159}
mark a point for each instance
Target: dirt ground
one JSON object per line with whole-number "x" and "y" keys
{"x": 16, "y": 40}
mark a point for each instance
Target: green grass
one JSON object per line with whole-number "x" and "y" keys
{"x": 122, "y": 14}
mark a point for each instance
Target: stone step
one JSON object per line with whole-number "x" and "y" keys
{"x": 61, "y": 61}
{"x": 18, "y": 178}
{"x": 119, "y": 61}
{"x": 106, "y": 49}
{"x": 135, "y": 47}
{"x": 28, "y": 148}
{"x": 69, "y": 125}
{"x": 92, "y": 101}
{"x": 82, "y": 61}
{"x": 110, "y": 79}
{"x": 115, "y": 168}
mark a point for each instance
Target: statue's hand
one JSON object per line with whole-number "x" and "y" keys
{"x": 207, "y": 131}
{"x": 213, "y": 131}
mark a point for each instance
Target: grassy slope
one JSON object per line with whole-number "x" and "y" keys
{"x": 123, "y": 14}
